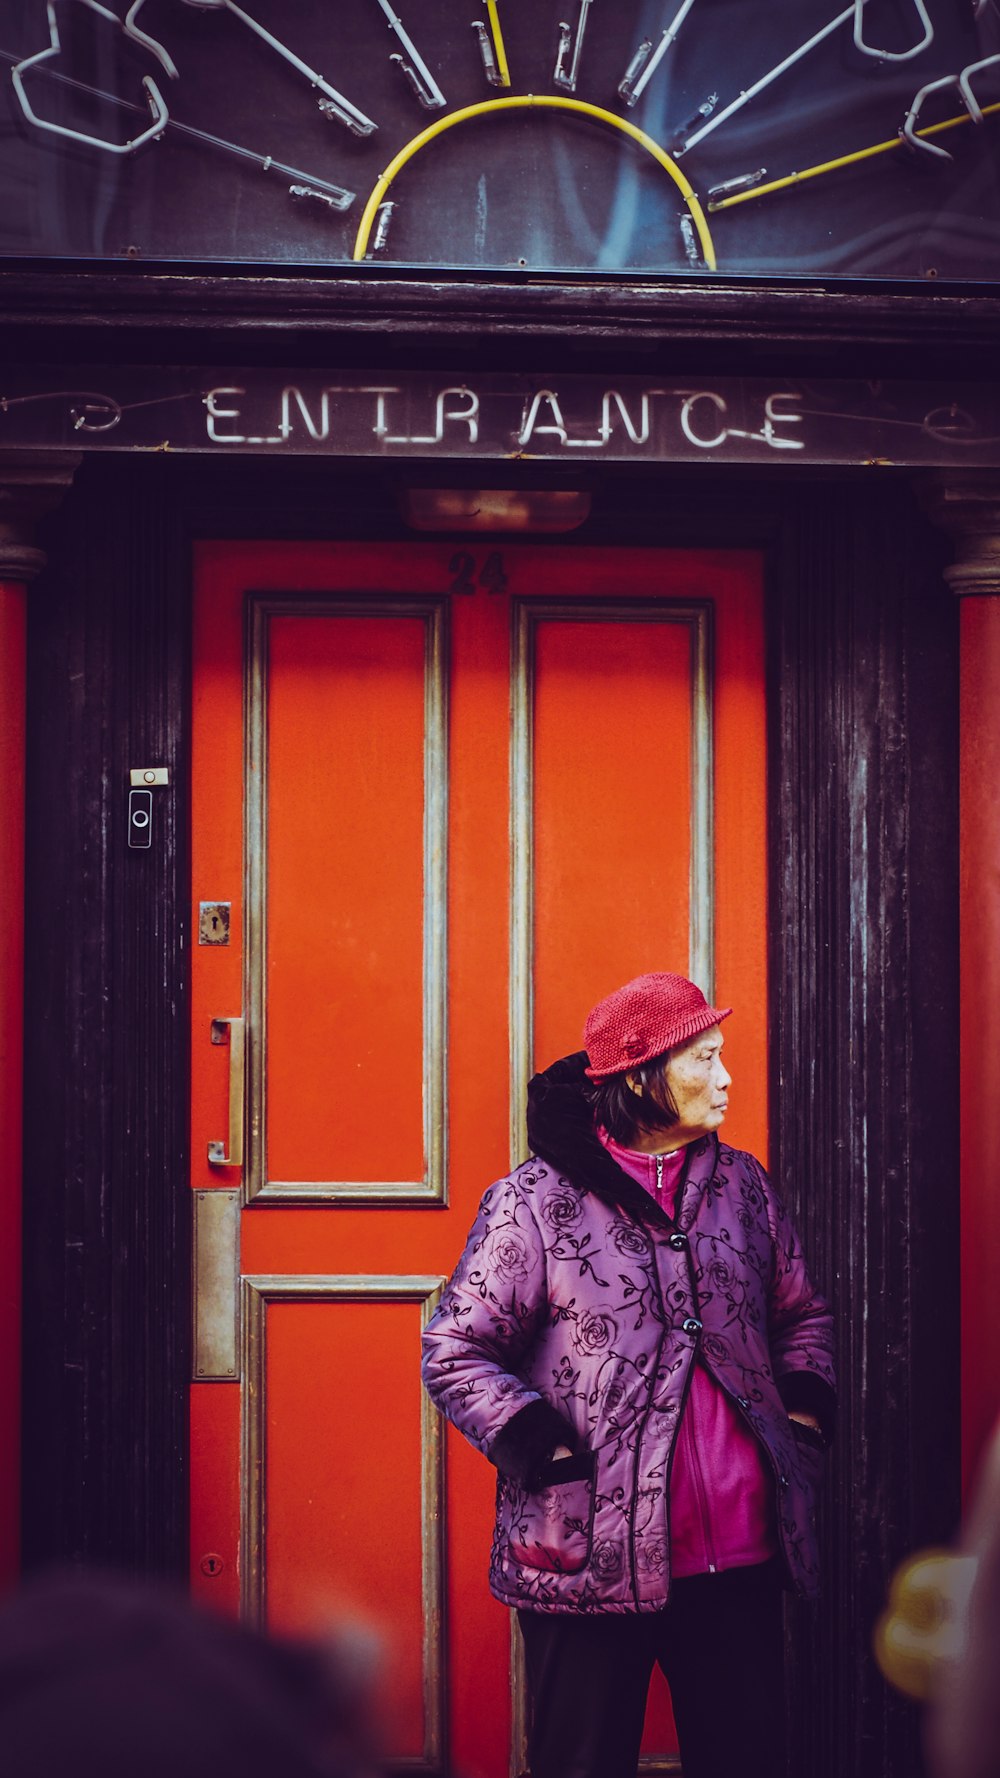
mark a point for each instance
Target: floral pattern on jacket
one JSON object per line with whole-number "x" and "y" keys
{"x": 589, "y": 1299}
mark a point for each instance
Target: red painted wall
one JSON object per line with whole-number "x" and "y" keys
{"x": 980, "y": 1023}
{"x": 12, "y": 665}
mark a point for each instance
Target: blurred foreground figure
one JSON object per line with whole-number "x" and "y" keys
{"x": 939, "y": 1638}
{"x": 103, "y": 1679}
{"x": 963, "y": 1728}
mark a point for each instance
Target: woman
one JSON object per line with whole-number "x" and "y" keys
{"x": 633, "y": 1339}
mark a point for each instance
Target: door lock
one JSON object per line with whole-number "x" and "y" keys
{"x": 213, "y": 922}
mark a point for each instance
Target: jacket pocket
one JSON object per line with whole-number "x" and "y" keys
{"x": 810, "y": 1450}
{"x": 807, "y": 1435}
{"x": 551, "y": 1527}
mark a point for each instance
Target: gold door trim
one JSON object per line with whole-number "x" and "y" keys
{"x": 258, "y": 1292}
{"x": 432, "y": 1188}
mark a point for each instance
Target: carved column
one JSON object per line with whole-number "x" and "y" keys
{"x": 968, "y": 507}
{"x": 30, "y": 486}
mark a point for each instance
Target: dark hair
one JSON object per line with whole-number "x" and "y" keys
{"x": 620, "y": 1110}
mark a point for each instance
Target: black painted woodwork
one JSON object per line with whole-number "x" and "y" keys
{"x": 147, "y": 315}
{"x": 863, "y": 950}
{"x": 106, "y": 1219}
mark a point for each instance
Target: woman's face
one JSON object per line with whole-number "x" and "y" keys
{"x": 699, "y": 1085}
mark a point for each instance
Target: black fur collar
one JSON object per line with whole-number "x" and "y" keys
{"x": 561, "y": 1132}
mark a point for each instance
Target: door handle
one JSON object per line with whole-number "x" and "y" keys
{"x": 237, "y": 1047}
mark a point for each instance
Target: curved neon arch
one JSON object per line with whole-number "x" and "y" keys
{"x": 531, "y": 101}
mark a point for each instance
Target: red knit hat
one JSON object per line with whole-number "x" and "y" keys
{"x": 643, "y": 1019}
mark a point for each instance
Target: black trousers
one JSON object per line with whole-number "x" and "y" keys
{"x": 719, "y": 1642}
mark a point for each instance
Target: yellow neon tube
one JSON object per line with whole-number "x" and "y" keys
{"x": 499, "y": 46}
{"x": 532, "y": 102}
{"x": 844, "y": 160}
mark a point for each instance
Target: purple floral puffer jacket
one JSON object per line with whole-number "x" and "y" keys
{"x": 575, "y": 1316}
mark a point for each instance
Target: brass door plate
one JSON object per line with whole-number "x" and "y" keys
{"x": 213, "y": 922}
{"x": 216, "y": 1286}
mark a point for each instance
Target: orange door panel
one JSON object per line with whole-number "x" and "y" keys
{"x": 451, "y": 798}
{"x": 345, "y": 897}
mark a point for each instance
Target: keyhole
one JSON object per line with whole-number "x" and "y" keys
{"x": 212, "y": 1565}
{"x": 213, "y": 922}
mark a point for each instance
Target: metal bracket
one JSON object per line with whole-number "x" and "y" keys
{"x": 567, "y": 68}
{"x": 412, "y": 64}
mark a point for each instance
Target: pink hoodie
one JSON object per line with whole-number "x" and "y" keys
{"x": 721, "y": 1493}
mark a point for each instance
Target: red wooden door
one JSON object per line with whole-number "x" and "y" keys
{"x": 451, "y": 797}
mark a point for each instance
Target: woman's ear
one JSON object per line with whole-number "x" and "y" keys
{"x": 634, "y": 1083}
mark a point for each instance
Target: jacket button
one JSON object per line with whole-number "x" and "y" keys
{"x": 782, "y": 1481}
{"x": 692, "y": 1325}
{"x": 743, "y": 1400}
{"x": 678, "y": 1242}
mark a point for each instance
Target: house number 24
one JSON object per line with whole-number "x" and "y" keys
{"x": 491, "y": 574}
